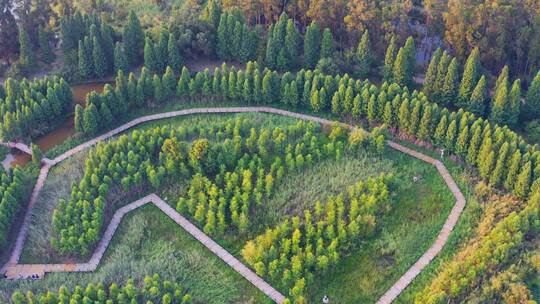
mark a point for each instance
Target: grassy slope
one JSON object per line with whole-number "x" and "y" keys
{"x": 149, "y": 242}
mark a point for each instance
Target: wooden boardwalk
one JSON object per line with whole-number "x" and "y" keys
{"x": 15, "y": 270}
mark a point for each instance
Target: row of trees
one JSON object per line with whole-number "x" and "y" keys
{"x": 30, "y": 109}
{"x": 151, "y": 290}
{"x": 461, "y": 133}
{"x": 235, "y": 39}
{"x": 158, "y": 55}
{"x": 291, "y": 253}
{"x": 483, "y": 259}
{"x": 12, "y": 195}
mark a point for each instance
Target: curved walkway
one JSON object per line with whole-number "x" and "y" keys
{"x": 17, "y": 145}
{"x": 15, "y": 270}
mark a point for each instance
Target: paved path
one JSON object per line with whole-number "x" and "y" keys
{"x": 15, "y": 270}
{"x": 17, "y": 145}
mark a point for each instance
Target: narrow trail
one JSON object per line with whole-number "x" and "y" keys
{"x": 14, "y": 270}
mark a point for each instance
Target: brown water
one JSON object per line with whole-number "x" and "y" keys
{"x": 65, "y": 130}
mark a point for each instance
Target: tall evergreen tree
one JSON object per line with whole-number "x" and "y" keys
{"x": 312, "y": 45}
{"x": 174, "y": 57}
{"x": 292, "y": 45}
{"x": 388, "y": 68}
{"x": 471, "y": 73}
{"x": 365, "y": 57}
{"x": 531, "y": 108}
{"x": 150, "y": 55}
{"x": 271, "y": 49}
{"x": 328, "y": 45}
{"x": 401, "y": 72}
{"x": 161, "y": 51}
{"x": 78, "y": 119}
{"x": 514, "y": 103}
{"x": 133, "y": 39}
{"x": 431, "y": 73}
{"x": 449, "y": 89}
{"x": 107, "y": 44}
{"x": 476, "y": 104}
{"x": 500, "y": 102}
{"x": 120, "y": 59}
{"x": 100, "y": 61}
{"x": 47, "y": 54}
{"x": 27, "y": 59}
{"x": 91, "y": 119}
{"x": 85, "y": 62}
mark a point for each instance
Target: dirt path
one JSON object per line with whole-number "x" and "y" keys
{"x": 15, "y": 270}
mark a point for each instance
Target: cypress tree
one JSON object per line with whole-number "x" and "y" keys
{"x": 37, "y": 155}
{"x": 388, "y": 68}
{"x": 150, "y": 55}
{"x": 514, "y": 103}
{"x": 401, "y": 73}
{"x": 470, "y": 78}
{"x": 451, "y": 134}
{"x": 531, "y": 108}
{"x": 271, "y": 49}
{"x": 365, "y": 57}
{"x": 169, "y": 83}
{"x": 161, "y": 51}
{"x": 462, "y": 142}
{"x": 98, "y": 55}
{"x": 476, "y": 104}
{"x": 499, "y": 171}
{"x": 47, "y": 54}
{"x": 315, "y": 101}
{"x": 424, "y": 130}
{"x": 503, "y": 78}
{"x": 292, "y": 45}
{"x": 174, "y": 57}
{"x": 440, "y": 131}
{"x": 449, "y": 89}
{"x": 120, "y": 59}
{"x": 85, "y": 65}
{"x": 105, "y": 114}
{"x": 513, "y": 168}
{"x": 133, "y": 39}
{"x": 431, "y": 73}
{"x": 27, "y": 59}
{"x": 442, "y": 69}
{"x": 500, "y": 103}
{"x": 91, "y": 119}
{"x": 107, "y": 44}
{"x": 472, "y": 151}
{"x": 222, "y": 48}
{"x": 238, "y": 36}
{"x": 159, "y": 94}
{"x": 78, "y": 120}
{"x": 486, "y": 157}
{"x": 312, "y": 45}
{"x": 183, "y": 83}
{"x": 521, "y": 187}
{"x": 328, "y": 46}
{"x": 403, "y": 116}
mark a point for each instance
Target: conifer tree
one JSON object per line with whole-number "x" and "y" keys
{"x": 85, "y": 62}
{"x": 90, "y": 119}
{"x": 107, "y": 44}
{"x": 531, "y": 108}
{"x": 37, "y": 155}
{"x": 431, "y": 73}
{"x": 105, "y": 114}
{"x": 98, "y": 55}
{"x": 133, "y": 39}
{"x": 522, "y": 185}
{"x": 174, "y": 57}
{"x": 292, "y": 45}
{"x": 120, "y": 59}
{"x": 462, "y": 142}
{"x": 183, "y": 83}
{"x": 500, "y": 103}
{"x": 514, "y": 103}
{"x": 150, "y": 55}
{"x": 169, "y": 83}
{"x": 78, "y": 120}
{"x": 486, "y": 157}
{"x": 161, "y": 51}
{"x": 271, "y": 49}
{"x": 222, "y": 37}
{"x": 449, "y": 89}
{"x": 27, "y": 59}
{"x": 365, "y": 57}
{"x": 403, "y": 116}
{"x": 472, "y": 151}
{"x": 500, "y": 166}
{"x": 470, "y": 77}
{"x": 312, "y": 45}
{"x": 440, "y": 131}
{"x": 442, "y": 69}
{"x": 47, "y": 54}
{"x": 328, "y": 46}
{"x": 451, "y": 134}
{"x": 424, "y": 130}
{"x": 513, "y": 168}
{"x": 476, "y": 104}
{"x": 159, "y": 94}
{"x": 388, "y": 68}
